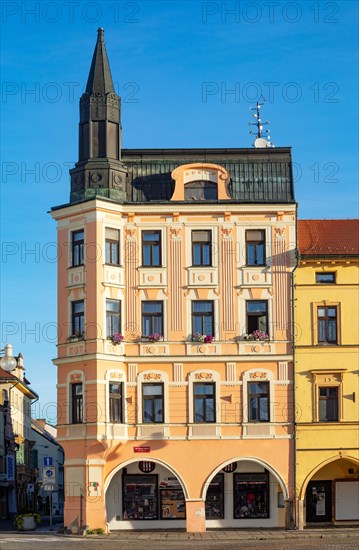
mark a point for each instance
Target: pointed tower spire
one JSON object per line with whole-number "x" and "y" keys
{"x": 99, "y": 170}
{"x": 100, "y": 79}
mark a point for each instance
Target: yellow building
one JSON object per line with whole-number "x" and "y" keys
{"x": 326, "y": 372}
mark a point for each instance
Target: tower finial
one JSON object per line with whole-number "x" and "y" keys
{"x": 262, "y": 136}
{"x": 100, "y": 34}
{"x": 100, "y": 79}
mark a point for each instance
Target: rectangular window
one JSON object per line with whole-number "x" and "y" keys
{"x": 77, "y": 403}
{"x": 328, "y": 404}
{"x": 203, "y": 317}
{"x": 327, "y": 278}
{"x": 255, "y": 247}
{"x": 152, "y": 403}
{"x": 115, "y": 397}
{"x": 257, "y": 316}
{"x": 113, "y": 317}
{"x": 201, "y": 248}
{"x": 251, "y": 495}
{"x": 204, "y": 402}
{"x": 258, "y": 401}
{"x": 78, "y": 318}
{"x": 34, "y": 458}
{"x": 78, "y": 247}
{"x": 151, "y": 248}
{"x": 112, "y": 246}
{"x": 327, "y": 325}
{"x": 152, "y": 318}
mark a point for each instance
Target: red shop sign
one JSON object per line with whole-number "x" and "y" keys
{"x": 141, "y": 449}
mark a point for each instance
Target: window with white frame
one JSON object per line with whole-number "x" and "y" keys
{"x": 258, "y": 402}
{"x": 204, "y": 396}
{"x": 113, "y": 317}
{"x": 78, "y": 247}
{"x": 115, "y": 392}
{"x": 112, "y": 246}
{"x": 258, "y": 396}
{"x": 152, "y": 403}
{"x": 201, "y": 248}
{"x": 76, "y": 403}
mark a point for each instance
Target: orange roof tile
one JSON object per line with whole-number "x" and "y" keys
{"x": 5, "y": 374}
{"x": 328, "y": 237}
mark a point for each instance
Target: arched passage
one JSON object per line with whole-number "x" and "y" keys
{"x": 245, "y": 492}
{"x": 144, "y": 494}
{"x": 330, "y": 492}
{"x": 256, "y": 460}
{"x": 320, "y": 466}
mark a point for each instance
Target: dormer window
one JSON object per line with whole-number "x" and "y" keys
{"x": 201, "y": 191}
{"x": 200, "y": 182}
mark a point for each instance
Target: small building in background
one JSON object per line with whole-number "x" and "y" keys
{"x": 47, "y": 452}
{"x": 17, "y": 477}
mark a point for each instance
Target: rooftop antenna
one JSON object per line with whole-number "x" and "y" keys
{"x": 263, "y": 137}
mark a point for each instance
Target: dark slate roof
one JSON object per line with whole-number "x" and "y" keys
{"x": 256, "y": 175}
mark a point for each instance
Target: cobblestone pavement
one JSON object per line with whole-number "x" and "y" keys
{"x": 326, "y": 539}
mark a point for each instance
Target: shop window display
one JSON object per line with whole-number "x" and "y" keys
{"x": 251, "y": 495}
{"x": 140, "y": 497}
{"x": 173, "y": 504}
{"x": 215, "y": 498}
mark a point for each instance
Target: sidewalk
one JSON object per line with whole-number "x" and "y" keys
{"x": 226, "y": 534}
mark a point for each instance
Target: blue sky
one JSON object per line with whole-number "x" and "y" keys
{"x": 187, "y": 73}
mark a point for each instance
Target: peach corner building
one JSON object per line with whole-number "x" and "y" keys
{"x": 175, "y": 364}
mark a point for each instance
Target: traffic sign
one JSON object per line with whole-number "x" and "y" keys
{"x": 48, "y": 475}
{"x": 47, "y": 460}
{"x": 48, "y": 487}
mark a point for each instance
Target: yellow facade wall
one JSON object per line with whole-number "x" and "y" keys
{"x": 326, "y": 450}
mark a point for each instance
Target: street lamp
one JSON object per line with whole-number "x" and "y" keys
{"x": 8, "y": 362}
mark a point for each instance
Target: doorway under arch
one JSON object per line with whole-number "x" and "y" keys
{"x": 331, "y": 492}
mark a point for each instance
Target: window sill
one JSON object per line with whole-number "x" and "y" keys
{"x": 327, "y": 344}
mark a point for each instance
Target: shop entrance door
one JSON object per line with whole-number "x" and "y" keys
{"x": 319, "y": 501}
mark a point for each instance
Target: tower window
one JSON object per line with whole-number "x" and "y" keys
{"x": 115, "y": 401}
{"x": 78, "y": 248}
{"x": 112, "y": 246}
{"x": 78, "y": 318}
{"x": 77, "y": 403}
{"x": 113, "y": 317}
